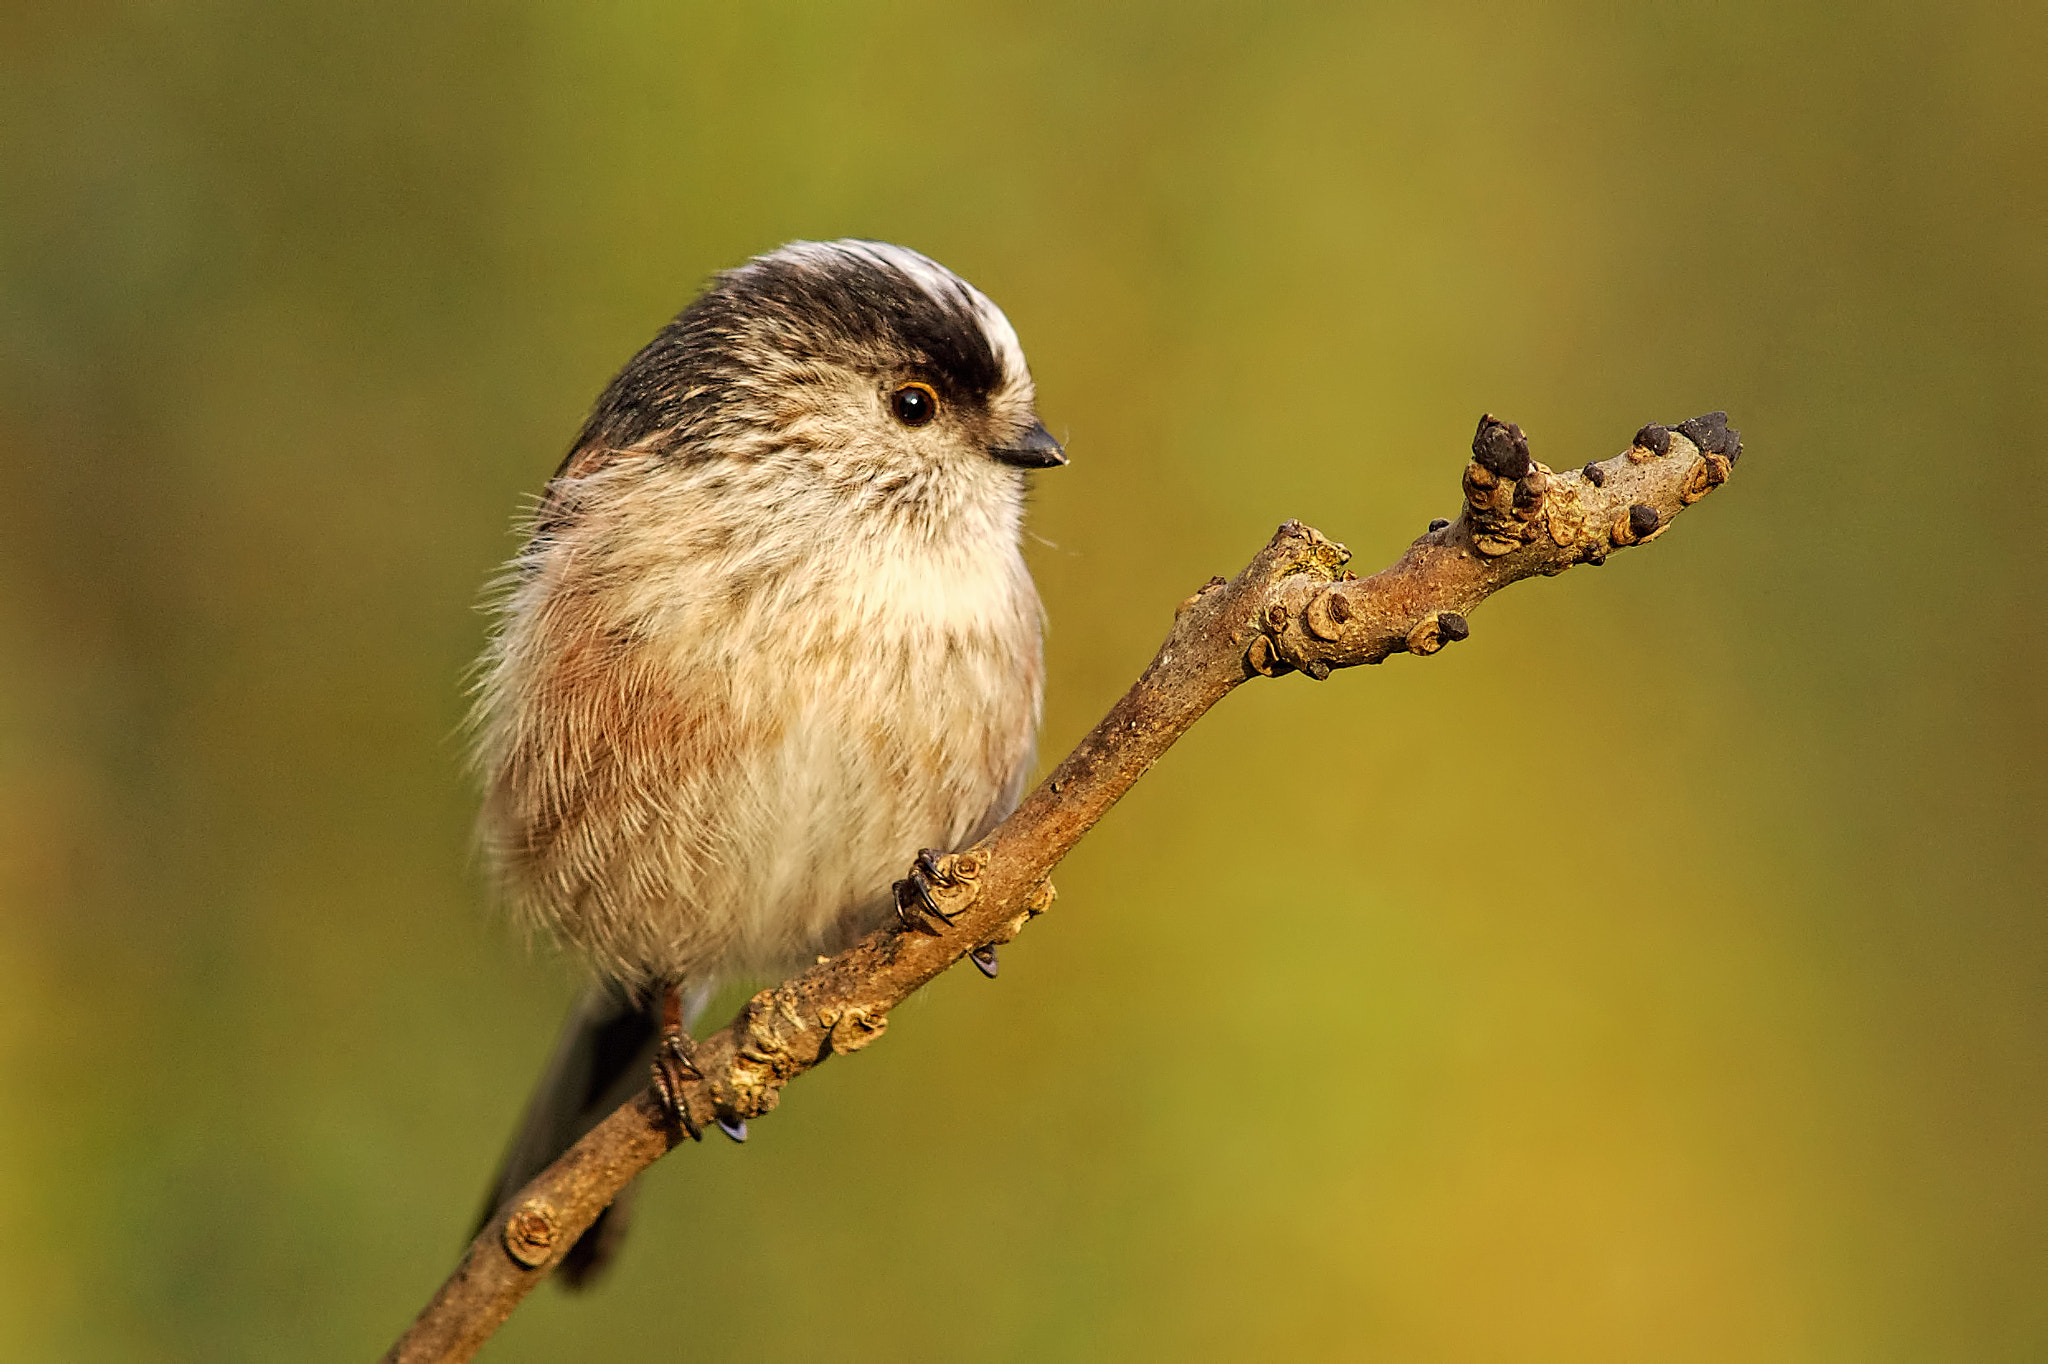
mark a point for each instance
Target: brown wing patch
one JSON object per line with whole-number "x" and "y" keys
{"x": 588, "y": 799}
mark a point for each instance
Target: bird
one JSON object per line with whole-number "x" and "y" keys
{"x": 771, "y": 636}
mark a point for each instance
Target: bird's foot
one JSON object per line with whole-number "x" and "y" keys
{"x": 673, "y": 1069}
{"x": 918, "y": 895}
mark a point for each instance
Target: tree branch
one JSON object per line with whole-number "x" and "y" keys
{"x": 1293, "y": 608}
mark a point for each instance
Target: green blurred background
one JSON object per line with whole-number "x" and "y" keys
{"x": 1659, "y": 976}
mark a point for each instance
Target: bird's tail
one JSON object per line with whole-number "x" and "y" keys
{"x": 601, "y": 1058}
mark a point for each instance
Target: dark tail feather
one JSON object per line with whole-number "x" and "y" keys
{"x": 592, "y": 1254}
{"x": 602, "y": 1057}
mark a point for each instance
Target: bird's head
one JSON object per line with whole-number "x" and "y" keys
{"x": 860, "y": 364}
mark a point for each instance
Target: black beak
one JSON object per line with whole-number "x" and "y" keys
{"x": 1035, "y": 449}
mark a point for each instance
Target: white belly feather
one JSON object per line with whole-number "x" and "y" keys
{"x": 757, "y": 739}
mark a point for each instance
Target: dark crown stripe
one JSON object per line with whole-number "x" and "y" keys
{"x": 837, "y": 304}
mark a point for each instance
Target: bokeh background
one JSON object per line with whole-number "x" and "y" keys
{"x": 1660, "y": 976}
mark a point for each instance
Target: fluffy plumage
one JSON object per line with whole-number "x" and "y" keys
{"x": 767, "y": 639}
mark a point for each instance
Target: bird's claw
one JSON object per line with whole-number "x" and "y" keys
{"x": 918, "y": 891}
{"x": 673, "y": 1068}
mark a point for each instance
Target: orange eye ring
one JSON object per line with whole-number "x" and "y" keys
{"x": 914, "y": 404}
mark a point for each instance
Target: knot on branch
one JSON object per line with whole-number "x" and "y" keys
{"x": 1635, "y": 526}
{"x": 1510, "y": 498}
{"x": 848, "y": 1030}
{"x": 1296, "y": 552}
{"x": 1326, "y": 614}
{"x": 1436, "y": 630}
{"x": 532, "y": 1231}
{"x": 1308, "y": 551}
{"x": 1652, "y": 442}
{"x": 1710, "y": 473}
{"x": 1264, "y": 659}
{"x": 770, "y": 1046}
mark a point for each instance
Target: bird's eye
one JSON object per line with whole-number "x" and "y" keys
{"x": 914, "y": 404}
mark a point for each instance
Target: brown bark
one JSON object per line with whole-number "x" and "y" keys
{"x": 1293, "y": 608}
